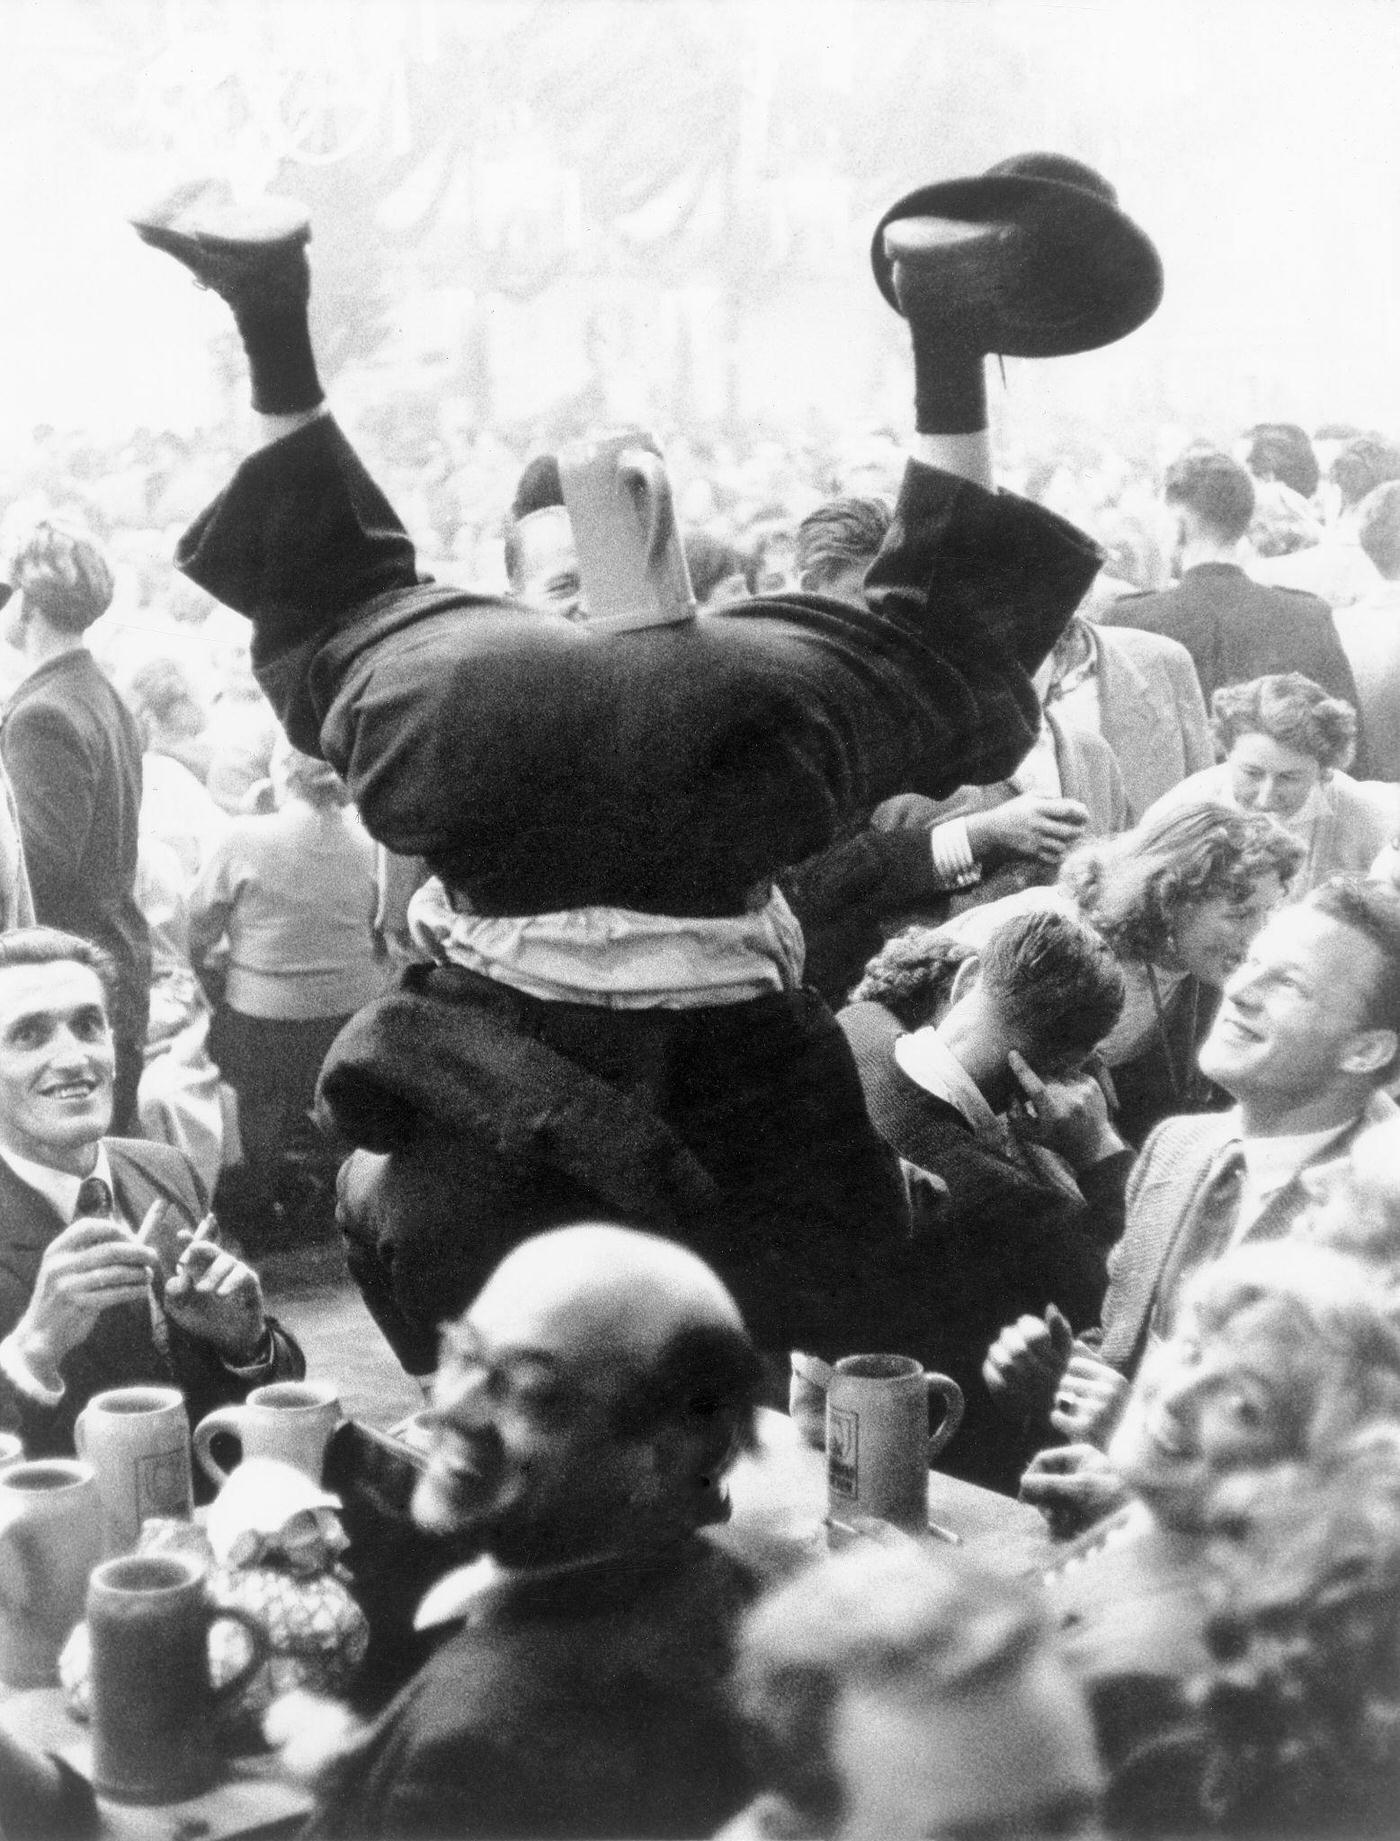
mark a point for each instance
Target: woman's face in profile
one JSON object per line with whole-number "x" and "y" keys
{"x": 1211, "y": 936}
{"x": 1211, "y": 1402}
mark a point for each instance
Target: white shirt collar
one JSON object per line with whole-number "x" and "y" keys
{"x": 932, "y": 1065}
{"x": 57, "y": 1186}
{"x": 466, "y": 1590}
{"x": 1270, "y": 1164}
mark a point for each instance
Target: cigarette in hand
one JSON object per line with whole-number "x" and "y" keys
{"x": 202, "y": 1232}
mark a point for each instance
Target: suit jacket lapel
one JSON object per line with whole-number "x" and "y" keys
{"x": 28, "y": 1221}
{"x": 1161, "y": 1206}
{"x": 136, "y": 1188}
{"x": 1279, "y": 1215}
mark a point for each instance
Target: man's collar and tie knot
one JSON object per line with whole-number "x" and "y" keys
{"x": 94, "y": 1198}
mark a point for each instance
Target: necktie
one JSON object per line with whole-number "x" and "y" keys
{"x": 94, "y": 1197}
{"x": 1204, "y": 1235}
{"x": 95, "y": 1201}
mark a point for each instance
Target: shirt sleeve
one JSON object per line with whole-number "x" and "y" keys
{"x": 953, "y": 861}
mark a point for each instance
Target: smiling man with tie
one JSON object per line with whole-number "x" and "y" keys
{"x": 1306, "y": 1042}
{"x": 107, "y": 1275}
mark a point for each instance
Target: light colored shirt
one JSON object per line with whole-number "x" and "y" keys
{"x": 294, "y": 892}
{"x": 1337, "y": 569}
{"x": 932, "y": 1065}
{"x": 1270, "y": 1164}
{"x": 1370, "y": 634}
{"x": 177, "y": 811}
{"x": 614, "y": 957}
{"x": 953, "y": 861}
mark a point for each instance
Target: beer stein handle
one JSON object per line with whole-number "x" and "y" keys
{"x": 947, "y": 1389}
{"x": 644, "y": 476}
{"x": 222, "y": 1419}
{"x": 262, "y": 1648}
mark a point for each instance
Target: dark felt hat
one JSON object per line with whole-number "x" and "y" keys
{"x": 1069, "y": 271}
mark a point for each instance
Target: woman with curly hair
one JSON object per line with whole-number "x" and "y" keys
{"x": 1284, "y": 744}
{"x": 1281, "y": 1352}
{"x": 912, "y": 976}
{"x": 1177, "y": 900}
{"x": 1293, "y": 1728}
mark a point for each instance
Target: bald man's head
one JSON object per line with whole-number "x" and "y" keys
{"x": 598, "y": 1385}
{"x": 619, "y": 1289}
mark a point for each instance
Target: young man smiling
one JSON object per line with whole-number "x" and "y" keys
{"x": 84, "y": 1303}
{"x": 1305, "y": 1041}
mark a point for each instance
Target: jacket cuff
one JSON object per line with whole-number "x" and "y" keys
{"x": 264, "y": 1359}
{"x": 22, "y": 1377}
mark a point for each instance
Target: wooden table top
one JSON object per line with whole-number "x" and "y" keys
{"x": 253, "y": 1798}
{"x": 779, "y": 1509}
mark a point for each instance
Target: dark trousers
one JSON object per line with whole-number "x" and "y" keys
{"x": 272, "y": 1065}
{"x": 130, "y": 1009}
{"x": 739, "y": 1129}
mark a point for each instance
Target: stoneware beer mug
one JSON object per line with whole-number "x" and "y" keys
{"x": 631, "y": 561}
{"x": 137, "y": 1439}
{"x": 878, "y": 1444}
{"x": 288, "y": 1420}
{"x": 50, "y": 1540}
{"x": 153, "y": 1704}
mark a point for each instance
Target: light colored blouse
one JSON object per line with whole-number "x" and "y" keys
{"x": 293, "y": 893}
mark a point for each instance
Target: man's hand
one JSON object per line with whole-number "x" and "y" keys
{"x": 92, "y": 1266}
{"x": 1067, "y": 1116}
{"x": 218, "y": 1299}
{"x": 1089, "y": 1400}
{"x": 1030, "y": 825}
{"x": 310, "y": 1731}
{"x": 1024, "y": 1365}
{"x": 1073, "y": 1486}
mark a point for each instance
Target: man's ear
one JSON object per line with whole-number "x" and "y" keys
{"x": 1371, "y": 1051}
{"x": 690, "y": 1461}
{"x": 965, "y": 978}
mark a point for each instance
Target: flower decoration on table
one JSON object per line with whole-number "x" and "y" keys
{"x": 272, "y": 1548}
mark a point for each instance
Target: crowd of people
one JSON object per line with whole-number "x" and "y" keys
{"x": 937, "y": 929}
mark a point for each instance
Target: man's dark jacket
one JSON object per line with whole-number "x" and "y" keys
{"x": 73, "y": 753}
{"x": 121, "y": 1350}
{"x": 593, "y": 1703}
{"x": 1007, "y": 1242}
{"x": 1236, "y": 629}
{"x": 542, "y": 765}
